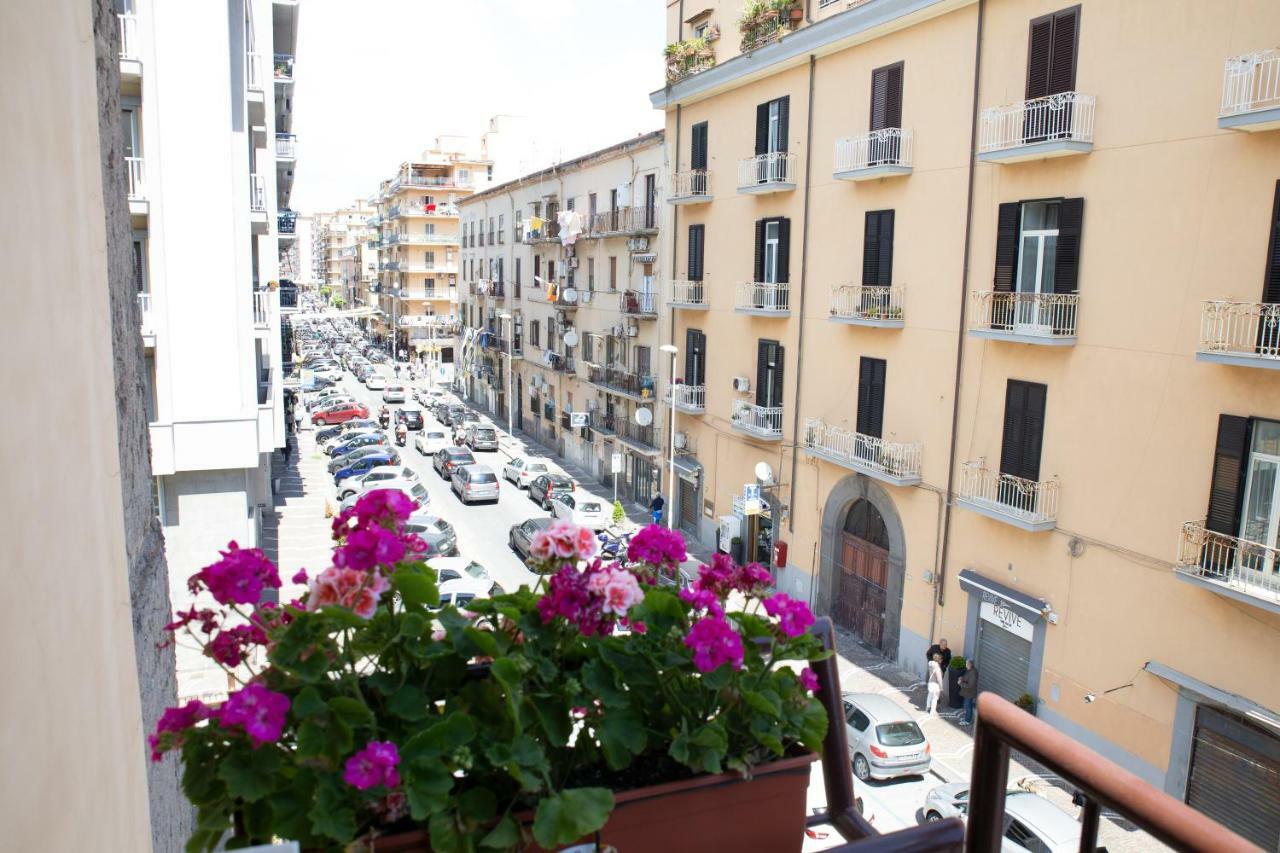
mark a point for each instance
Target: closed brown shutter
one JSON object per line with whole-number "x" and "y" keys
{"x": 784, "y": 250}
{"x": 871, "y": 379}
{"x": 696, "y": 233}
{"x": 1006, "y": 246}
{"x": 886, "y": 97}
{"x": 762, "y": 129}
{"x": 768, "y": 373}
{"x": 1024, "y": 405}
{"x": 784, "y": 111}
{"x": 1051, "y": 53}
{"x": 1039, "y": 47}
{"x": 759, "y": 268}
{"x": 695, "y": 367}
{"x": 1227, "y": 482}
{"x": 698, "y": 156}
{"x": 1067, "y": 257}
{"x": 1271, "y": 285}
{"x": 877, "y": 249}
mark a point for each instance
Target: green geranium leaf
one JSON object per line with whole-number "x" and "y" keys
{"x": 603, "y": 682}
{"x": 413, "y": 625}
{"x": 661, "y": 610}
{"x": 417, "y": 589}
{"x": 813, "y": 728}
{"x": 553, "y": 714}
{"x": 504, "y": 835}
{"x": 569, "y": 815}
{"x": 718, "y": 677}
{"x": 203, "y": 840}
{"x": 478, "y": 804}
{"x": 289, "y": 805}
{"x": 622, "y": 736}
{"x": 765, "y": 701}
{"x": 259, "y": 818}
{"x": 427, "y": 788}
{"x": 250, "y": 775}
{"x": 331, "y": 738}
{"x": 703, "y": 751}
{"x": 308, "y": 703}
{"x": 305, "y": 648}
{"x": 444, "y": 737}
{"x": 342, "y": 617}
{"x": 331, "y": 815}
{"x": 445, "y": 836}
{"x": 352, "y": 711}
{"x": 409, "y": 703}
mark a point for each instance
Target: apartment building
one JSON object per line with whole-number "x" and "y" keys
{"x": 340, "y": 251}
{"x": 560, "y": 269}
{"x": 419, "y": 246}
{"x": 206, "y": 264}
{"x": 990, "y": 289}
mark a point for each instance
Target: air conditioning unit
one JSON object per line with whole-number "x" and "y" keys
{"x": 742, "y": 384}
{"x": 730, "y": 529}
{"x": 585, "y": 299}
{"x": 638, "y": 244}
{"x": 616, "y": 331}
{"x": 572, "y": 261}
{"x": 632, "y": 331}
{"x": 681, "y": 441}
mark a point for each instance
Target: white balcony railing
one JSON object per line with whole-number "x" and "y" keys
{"x": 137, "y": 178}
{"x": 1248, "y": 567}
{"x": 1031, "y": 504}
{"x": 689, "y": 398}
{"x": 1034, "y": 317}
{"x": 257, "y": 193}
{"x": 691, "y": 185}
{"x": 1251, "y": 82}
{"x": 893, "y": 460}
{"x": 1247, "y": 329}
{"x": 286, "y": 146}
{"x": 261, "y": 308}
{"x": 422, "y": 239}
{"x": 144, "y": 309}
{"x": 688, "y": 293}
{"x": 762, "y": 421}
{"x": 874, "y": 305}
{"x": 128, "y": 35}
{"x": 763, "y": 297}
{"x": 253, "y": 71}
{"x": 1065, "y": 116}
{"x": 775, "y": 170}
{"x": 642, "y": 303}
{"x": 889, "y": 147}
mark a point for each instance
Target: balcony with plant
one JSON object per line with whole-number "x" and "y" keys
{"x": 691, "y": 56}
{"x": 365, "y": 709}
{"x": 765, "y": 21}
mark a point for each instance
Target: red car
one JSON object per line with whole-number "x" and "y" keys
{"x": 340, "y": 414}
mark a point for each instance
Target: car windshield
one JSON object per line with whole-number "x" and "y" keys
{"x": 486, "y": 434}
{"x": 435, "y": 435}
{"x": 905, "y": 733}
{"x": 589, "y": 507}
{"x": 537, "y": 466}
{"x": 561, "y": 483}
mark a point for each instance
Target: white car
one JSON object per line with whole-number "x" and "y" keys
{"x": 582, "y": 510}
{"x": 347, "y": 435}
{"x": 431, "y": 441}
{"x": 393, "y": 394}
{"x": 329, "y": 372}
{"x": 522, "y": 472}
{"x": 375, "y": 382}
{"x": 884, "y": 741}
{"x": 377, "y": 475}
{"x": 326, "y": 396}
{"x": 1031, "y": 822}
{"x": 412, "y": 488}
{"x": 460, "y": 592}
{"x": 456, "y": 568}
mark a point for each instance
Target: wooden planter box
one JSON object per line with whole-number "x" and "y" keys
{"x": 709, "y": 813}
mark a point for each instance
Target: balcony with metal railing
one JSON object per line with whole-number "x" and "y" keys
{"x": 257, "y": 194}
{"x": 604, "y": 423}
{"x": 878, "y": 307}
{"x": 253, "y": 72}
{"x": 643, "y": 439}
{"x": 877, "y": 154}
{"x": 891, "y": 462}
{"x": 763, "y": 298}
{"x": 690, "y": 187}
{"x": 1228, "y": 565}
{"x": 1053, "y": 126}
{"x": 1026, "y": 504}
{"x": 688, "y": 294}
{"x": 421, "y": 240}
{"x": 286, "y": 146}
{"x": 136, "y": 173}
{"x": 1243, "y": 334}
{"x": 144, "y": 309}
{"x": 434, "y": 181}
{"x": 767, "y": 173}
{"x": 128, "y": 36}
{"x": 416, "y": 208}
{"x": 639, "y": 303}
{"x": 624, "y": 222}
{"x": 691, "y": 399}
{"x": 615, "y": 380}
{"x": 264, "y": 302}
{"x": 1251, "y": 92}
{"x": 1047, "y": 319}
{"x": 759, "y": 421}
{"x": 282, "y": 68}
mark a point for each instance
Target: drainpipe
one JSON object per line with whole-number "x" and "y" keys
{"x": 940, "y": 599}
{"x": 804, "y": 269}
{"x": 808, "y": 11}
{"x": 673, "y": 167}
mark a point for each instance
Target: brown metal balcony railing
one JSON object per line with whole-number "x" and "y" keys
{"x": 605, "y": 424}
{"x": 646, "y": 437}
{"x": 622, "y": 381}
{"x": 640, "y": 303}
{"x": 624, "y": 220}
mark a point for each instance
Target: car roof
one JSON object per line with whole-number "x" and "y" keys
{"x": 540, "y": 521}
{"x": 881, "y": 709}
{"x": 465, "y": 584}
{"x": 1042, "y": 816}
{"x": 458, "y": 451}
{"x": 457, "y": 564}
{"x": 478, "y": 468}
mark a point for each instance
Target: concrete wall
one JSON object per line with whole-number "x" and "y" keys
{"x": 75, "y": 775}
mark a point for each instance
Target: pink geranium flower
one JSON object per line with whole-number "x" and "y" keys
{"x": 372, "y": 766}
{"x": 809, "y": 680}
{"x": 173, "y": 724}
{"x": 714, "y": 643}
{"x": 621, "y": 592}
{"x": 358, "y": 591}
{"x": 794, "y": 617}
{"x": 657, "y": 546}
{"x": 257, "y": 710}
{"x": 238, "y": 578}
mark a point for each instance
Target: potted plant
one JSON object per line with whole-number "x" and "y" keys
{"x": 1027, "y": 702}
{"x": 954, "y": 670}
{"x": 598, "y": 707}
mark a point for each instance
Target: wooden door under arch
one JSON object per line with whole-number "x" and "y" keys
{"x": 861, "y": 598}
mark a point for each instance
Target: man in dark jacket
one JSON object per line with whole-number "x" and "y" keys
{"x": 939, "y": 648}
{"x": 968, "y": 690}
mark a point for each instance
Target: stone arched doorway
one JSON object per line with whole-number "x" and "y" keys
{"x": 863, "y": 562}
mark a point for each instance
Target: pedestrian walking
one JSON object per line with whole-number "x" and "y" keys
{"x": 934, "y": 686}
{"x": 297, "y": 419}
{"x": 655, "y": 507}
{"x": 969, "y": 690}
{"x": 939, "y": 648}
{"x": 288, "y": 450}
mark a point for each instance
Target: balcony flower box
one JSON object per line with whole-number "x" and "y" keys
{"x": 765, "y": 21}
{"x": 600, "y": 704}
{"x": 688, "y": 57}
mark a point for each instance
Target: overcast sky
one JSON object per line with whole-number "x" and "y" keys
{"x": 378, "y": 80}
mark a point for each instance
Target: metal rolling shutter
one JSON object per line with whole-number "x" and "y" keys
{"x": 688, "y": 505}
{"x": 1234, "y": 776}
{"x": 1003, "y": 661}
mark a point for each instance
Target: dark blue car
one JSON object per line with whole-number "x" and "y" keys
{"x": 359, "y": 441}
{"x": 363, "y": 466}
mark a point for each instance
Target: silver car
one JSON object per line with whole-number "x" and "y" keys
{"x": 475, "y": 483}
{"x": 884, "y": 742}
{"x": 480, "y": 437}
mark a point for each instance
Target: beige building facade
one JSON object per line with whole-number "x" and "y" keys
{"x": 990, "y": 288}
{"x": 561, "y": 269}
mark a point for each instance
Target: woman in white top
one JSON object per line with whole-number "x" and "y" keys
{"x": 934, "y": 686}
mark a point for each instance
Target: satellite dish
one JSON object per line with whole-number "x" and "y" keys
{"x": 570, "y": 295}
{"x": 571, "y": 338}
{"x": 764, "y": 473}
{"x": 644, "y": 417}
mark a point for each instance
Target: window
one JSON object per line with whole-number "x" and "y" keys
{"x": 591, "y": 274}
{"x": 700, "y": 29}
{"x": 502, "y": 228}
{"x": 481, "y": 229}
{"x": 518, "y": 277}
{"x": 695, "y": 359}
{"x": 464, "y": 178}
{"x": 491, "y": 221}
{"x": 769, "y": 373}
{"x": 1051, "y": 53}
{"x": 1038, "y": 252}
{"x": 698, "y": 147}
{"x": 1024, "y": 837}
{"x": 697, "y": 248}
{"x": 613, "y": 272}
{"x": 1244, "y": 492}
{"x": 429, "y": 228}
{"x": 591, "y": 206}
{"x": 518, "y": 230}
{"x": 771, "y": 126}
{"x": 886, "y": 97}
{"x": 856, "y": 718}
{"x": 1271, "y": 285}
{"x": 535, "y": 332}
{"x": 140, "y": 262}
{"x": 1024, "y": 405}
{"x": 877, "y": 249}
{"x": 429, "y": 258}
{"x": 650, "y": 200}
{"x": 772, "y": 264}
{"x": 871, "y": 374}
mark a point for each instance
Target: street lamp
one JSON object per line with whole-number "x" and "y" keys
{"x": 511, "y": 343}
{"x": 671, "y": 475}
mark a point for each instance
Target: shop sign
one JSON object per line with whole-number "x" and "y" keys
{"x": 997, "y": 611}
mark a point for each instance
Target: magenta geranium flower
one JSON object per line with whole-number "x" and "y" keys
{"x": 714, "y": 642}
{"x": 794, "y": 617}
{"x": 657, "y": 546}
{"x": 230, "y": 647}
{"x": 369, "y": 547}
{"x": 299, "y": 576}
{"x": 702, "y": 599}
{"x": 173, "y": 724}
{"x": 809, "y": 680}
{"x": 238, "y": 578}
{"x": 257, "y": 710}
{"x": 621, "y": 592}
{"x": 372, "y": 766}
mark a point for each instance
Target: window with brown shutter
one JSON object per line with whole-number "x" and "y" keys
{"x": 1271, "y": 285}
{"x": 696, "y": 249}
{"x": 1024, "y": 405}
{"x": 886, "y": 97}
{"x": 768, "y": 373}
{"x": 1051, "y": 53}
{"x": 698, "y": 152}
{"x": 877, "y": 249}
{"x": 871, "y": 378}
